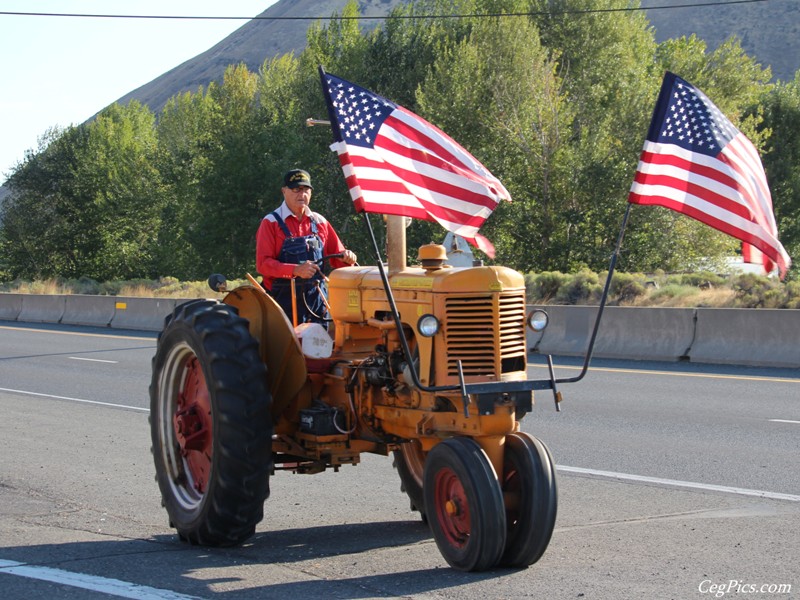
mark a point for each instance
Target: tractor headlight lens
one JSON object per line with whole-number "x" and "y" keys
{"x": 428, "y": 325}
{"x": 537, "y": 320}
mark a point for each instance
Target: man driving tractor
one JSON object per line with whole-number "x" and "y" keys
{"x": 290, "y": 244}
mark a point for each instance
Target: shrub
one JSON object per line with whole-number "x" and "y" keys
{"x": 751, "y": 290}
{"x": 793, "y": 294}
{"x": 673, "y": 294}
{"x": 745, "y": 290}
{"x": 543, "y": 287}
{"x": 87, "y": 285}
{"x": 582, "y": 288}
{"x": 626, "y": 287}
{"x": 701, "y": 279}
{"x": 775, "y": 298}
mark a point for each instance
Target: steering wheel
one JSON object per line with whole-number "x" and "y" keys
{"x": 328, "y": 257}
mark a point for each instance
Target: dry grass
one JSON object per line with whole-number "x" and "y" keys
{"x": 167, "y": 287}
{"x": 136, "y": 290}
{"x": 49, "y": 287}
{"x": 685, "y": 296}
{"x": 671, "y": 294}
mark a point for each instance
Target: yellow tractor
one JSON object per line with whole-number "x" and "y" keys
{"x": 424, "y": 363}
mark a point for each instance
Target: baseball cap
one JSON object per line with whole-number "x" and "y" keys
{"x": 297, "y": 177}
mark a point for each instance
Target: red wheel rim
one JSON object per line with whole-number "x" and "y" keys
{"x": 452, "y": 507}
{"x": 193, "y": 425}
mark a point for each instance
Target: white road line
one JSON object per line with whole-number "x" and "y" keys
{"x": 113, "y": 362}
{"x": 79, "y": 333}
{"x": 673, "y": 373}
{"x": 677, "y": 483}
{"x": 104, "y": 585}
{"x": 81, "y": 400}
{"x": 784, "y": 421}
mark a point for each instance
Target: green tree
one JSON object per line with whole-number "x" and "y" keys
{"x": 87, "y": 203}
{"x": 41, "y": 217}
{"x": 119, "y": 181}
{"x": 497, "y": 93}
{"x": 341, "y": 48}
{"x": 338, "y": 45}
{"x": 401, "y": 52}
{"x": 184, "y": 138}
{"x": 232, "y": 182}
{"x": 781, "y": 157}
{"x": 605, "y": 58}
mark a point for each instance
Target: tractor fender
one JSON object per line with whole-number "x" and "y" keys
{"x": 278, "y": 345}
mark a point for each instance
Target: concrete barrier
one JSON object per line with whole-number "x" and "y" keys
{"x": 625, "y": 332}
{"x": 648, "y": 333}
{"x": 10, "y": 306}
{"x": 146, "y": 314}
{"x": 568, "y": 330}
{"x": 42, "y": 309}
{"x": 96, "y": 311}
{"x": 758, "y": 337}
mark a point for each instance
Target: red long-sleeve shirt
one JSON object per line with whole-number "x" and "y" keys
{"x": 270, "y": 237}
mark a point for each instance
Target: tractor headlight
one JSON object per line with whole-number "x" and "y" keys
{"x": 428, "y": 325}
{"x": 537, "y": 320}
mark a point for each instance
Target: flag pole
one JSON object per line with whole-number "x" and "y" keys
{"x": 396, "y": 315}
{"x": 603, "y": 299}
{"x": 401, "y": 334}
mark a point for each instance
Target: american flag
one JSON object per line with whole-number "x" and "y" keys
{"x": 696, "y": 162}
{"x": 396, "y": 163}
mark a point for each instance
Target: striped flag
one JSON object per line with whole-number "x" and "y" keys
{"x": 396, "y": 163}
{"x": 696, "y": 162}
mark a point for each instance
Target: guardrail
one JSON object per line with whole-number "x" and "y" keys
{"x": 757, "y": 337}
{"x": 625, "y": 332}
{"x": 741, "y": 336}
{"x": 116, "y": 312}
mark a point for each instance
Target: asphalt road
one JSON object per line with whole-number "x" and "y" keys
{"x": 675, "y": 481}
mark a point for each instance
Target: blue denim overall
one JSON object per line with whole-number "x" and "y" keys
{"x": 297, "y": 250}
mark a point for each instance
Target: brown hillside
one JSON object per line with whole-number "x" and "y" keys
{"x": 252, "y": 44}
{"x": 769, "y": 30}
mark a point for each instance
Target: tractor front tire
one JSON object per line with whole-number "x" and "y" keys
{"x": 529, "y": 486}
{"x": 210, "y": 424}
{"x": 464, "y": 505}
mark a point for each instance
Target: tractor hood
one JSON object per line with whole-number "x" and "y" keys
{"x": 357, "y": 293}
{"x": 461, "y": 280}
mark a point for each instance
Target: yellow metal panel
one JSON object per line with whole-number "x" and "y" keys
{"x": 280, "y": 349}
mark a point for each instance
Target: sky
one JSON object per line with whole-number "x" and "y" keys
{"x": 60, "y": 71}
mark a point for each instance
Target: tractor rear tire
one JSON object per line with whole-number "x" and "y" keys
{"x": 210, "y": 424}
{"x": 409, "y": 461}
{"x": 529, "y": 482}
{"x": 464, "y": 505}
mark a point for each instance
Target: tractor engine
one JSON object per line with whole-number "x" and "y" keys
{"x": 472, "y": 316}
{"x": 457, "y": 326}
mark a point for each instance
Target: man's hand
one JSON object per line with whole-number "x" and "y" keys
{"x": 349, "y": 257}
{"x": 305, "y": 270}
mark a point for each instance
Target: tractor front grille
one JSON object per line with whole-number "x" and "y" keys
{"x": 487, "y": 333}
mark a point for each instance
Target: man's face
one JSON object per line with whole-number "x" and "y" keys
{"x": 297, "y": 199}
